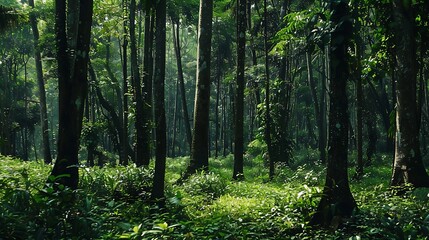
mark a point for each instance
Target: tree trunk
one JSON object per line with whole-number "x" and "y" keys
{"x": 160, "y": 122}
{"x": 359, "y": 110}
{"x": 371, "y": 125}
{"x": 408, "y": 165}
{"x": 267, "y": 133}
{"x": 317, "y": 113}
{"x": 337, "y": 201}
{"x": 217, "y": 120}
{"x": 177, "y": 48}
{"x": 224, "y": 124}
{"x": 41, "y": 87}
{"x": 137, "y": 90}
{"x": 200, "y": 138}
{"x": 176, "y": 109}
{"x": 73, "y": 87}
{"x": 239, "y": 91}
{"x": 124, "y": 154}
{"x": 147, "y": 82}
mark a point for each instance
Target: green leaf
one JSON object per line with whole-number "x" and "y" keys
{"x": 136, "y": 229}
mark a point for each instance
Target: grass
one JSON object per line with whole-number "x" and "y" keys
{"x": 112, "y": 203}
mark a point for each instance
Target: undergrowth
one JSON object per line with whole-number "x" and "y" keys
{"x": 113, "y": 203}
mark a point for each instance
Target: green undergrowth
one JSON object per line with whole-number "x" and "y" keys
{"x": 113, "y": 203}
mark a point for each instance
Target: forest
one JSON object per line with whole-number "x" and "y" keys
{"x": 214, "y": 119}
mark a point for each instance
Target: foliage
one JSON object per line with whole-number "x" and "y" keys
{"x": 202, "y": 183}
{"x": 90, "y": 135}
{"x": 111, "y": 203}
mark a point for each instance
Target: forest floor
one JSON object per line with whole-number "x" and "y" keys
{"x": 112, "y": 203}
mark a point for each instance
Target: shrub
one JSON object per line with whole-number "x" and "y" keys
{"x": 203, "y": 183}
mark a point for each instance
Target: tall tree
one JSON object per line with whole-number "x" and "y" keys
{"x": 267, "y": 132}
{"x": 408, "y": 166}
{"x": 337, "y": 201}
{"x": 359, "y": 92}
{"x": 41, "y": 86}
{"x": 124, "y": 154}
{"x": 73, "y": 23}
{"x": 147, "y": 80}
{"x": 160, "y": 122}
{"x": 178, "y": 51}
{"x": 137, "y": 90}
{"x": 200, "y": 136}
{"x": 239, "y": 90}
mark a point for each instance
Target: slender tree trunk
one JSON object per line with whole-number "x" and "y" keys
{"x": 41, "y": 87}
{"x": 239, "y": 91}
{"x": 316, "y": 103}
{"x": 267, "y": 133}
{"x": 176, "y": 109}
{"x": 200, "y": 139}
{"x": 231, "y": 117}
{"x": 160, "y": 122}
{"x": 371, "y": 124}
{"x": 225, "y": 140}
{"x": 359, "y": 111}
{"x": 125, "y": 141}
{"x": 137, "y": 89}
{"x": 408, "y": 165}
{"x": 217, "y": 119}
{"x": 323, "y": 112}
{"x": 147, "y": 82}
{"x": 337, "y": 201}
{"x": 177, "y": 48}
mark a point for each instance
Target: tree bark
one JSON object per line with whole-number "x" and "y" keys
{"x": 408, "y": 165}
{"x": 137, "y": 90}
{"x": 317, "y": 112}
{"x": 147, "y": 82}
{"x": 359, "y": 111}
{"x": 47, "y": 157}
{"x": 160, "y": 122}
{"x": 323, "y": 110}
{"x": 174, "y": 128}
{"x": 124, "y": 154}
{"x": 200, "y": 138}
{"x": 73, "y": 87}
{"x": 239, "y": 91}
{"x": 337, "y": 201}
{"x": 371, "y": 125}
{"x": 267, "y": 132}
{"x": 177, "y": 48}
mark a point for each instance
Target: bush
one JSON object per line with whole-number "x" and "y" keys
{"x": 203, "y": 183}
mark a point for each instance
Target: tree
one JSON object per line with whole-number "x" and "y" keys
{"x": 147, "y": 80}
{"x": 408, "y": 167}
{"x": 124, "y": 154}
{"x": 73, "y": 22}
{"x": 200, "y": 135}
{"x": 239, "y": 90}
{"x": 337, "y": 201}
{"x": 267, "y": 132}
{"x": 160, "y": 122}
{"x": 359, "y": 92}
{"x": 177, "y": 49}
{"x": 41, "y": 84}
{"x": 137, "y": 90}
